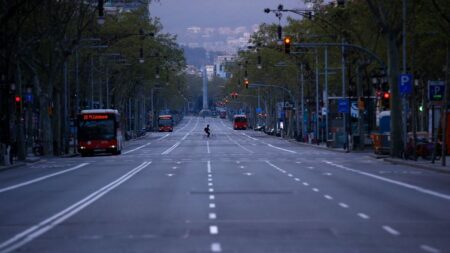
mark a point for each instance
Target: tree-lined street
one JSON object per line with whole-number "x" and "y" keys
{"x": 237, "y": 191}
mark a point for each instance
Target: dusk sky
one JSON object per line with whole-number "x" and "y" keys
{"x": 219, "y": 25}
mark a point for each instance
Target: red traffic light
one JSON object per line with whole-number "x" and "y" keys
{"x": 287, "y": 45}
{"x": 386, "y": 95}
{"x": 287, "y": 40}
{"x": 246, "y": 82}
{"x": 18, "y": 99}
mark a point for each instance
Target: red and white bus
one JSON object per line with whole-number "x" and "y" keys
{"x": 99, "y": 131}
{"x": 165, "y": 123}
{"x": 240, "y": 122}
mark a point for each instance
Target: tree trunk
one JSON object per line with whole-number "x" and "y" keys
{"x": 57, "y": 123}
{"x": 395, "y": 102}
{"x": 45, "y": 133}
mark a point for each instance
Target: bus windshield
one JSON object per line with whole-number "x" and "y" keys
{"x": 165, "y": 122}
{"x": 240, "y": 119}
{"x": 96, "y": 130}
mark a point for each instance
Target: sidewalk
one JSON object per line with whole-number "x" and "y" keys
{"x": 30, "y": 159}
{"x": 420, "y": 163}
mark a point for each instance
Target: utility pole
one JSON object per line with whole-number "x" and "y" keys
{"x": 404, "y": 96}
{"x": 344, "y": 114}
{"x": 302, "y": 100}
{"x": 445, "y": 106}
{"x": 317, "y": 97}
{"x": 325, "y": 97}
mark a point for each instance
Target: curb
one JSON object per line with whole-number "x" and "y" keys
{"x": 14, "y": 165}
{"x": 384, "y": 157}
{"x": 418, "y": 165}
{"x": 69, "y": 155}
{"x": 319, "y": 146}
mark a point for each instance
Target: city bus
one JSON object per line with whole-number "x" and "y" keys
{"x": 165, "y": 123}
{"x": 98, "y": 131}
{"x": 240, "y": 122}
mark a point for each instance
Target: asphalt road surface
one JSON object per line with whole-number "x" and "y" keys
{"x": 237, "y": 191}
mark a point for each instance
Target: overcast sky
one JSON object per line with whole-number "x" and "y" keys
{"x": 216, "y": 23}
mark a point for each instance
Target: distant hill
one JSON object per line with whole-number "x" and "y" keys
{"x": 198, "y": 56}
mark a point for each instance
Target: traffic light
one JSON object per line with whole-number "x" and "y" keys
{"x": 287, "y": 45}
{"x": 246, "y": 83}
{"x": 18, "y": 103}
{"x": 421, "y": 108}
{"x": 385, "y": 100}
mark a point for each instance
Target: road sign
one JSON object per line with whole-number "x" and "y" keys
{"x": 405, "y": 83}
{"x": 436, "y": 91}
{"x": 343, "y": 105}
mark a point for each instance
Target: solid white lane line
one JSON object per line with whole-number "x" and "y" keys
{"x": 209, "y": 167}
{"x": 429, "y": 249}
{"x": 237, "y": 143}
{"x": 145, "y": 145}
{"x": 212, "y": 216}
{"x": 12, "y": 187}
{"x": 283, "y": 149}
{"x": 343, "y": 205}
{"x": 328, "y": 197}
{"x": 35, "y": 231}
{"x": 364, "y": 216}
{"x": 406, "y": 185}
{"x": 215, "y": 247}
{"x": 276, "y": 167}
{"x": 249, "y": 137}
{"x": 214, "y": 230}
{"x": 212, "y": 205}
{"x": 171, "y": 148}
{"x": 391, "y": 230}
{"x": 179, "y": 142}
{"x": 207, "y": 147}
{"x": 177, "y": 130}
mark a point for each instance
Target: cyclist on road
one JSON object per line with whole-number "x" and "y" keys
{"x": 207, "y": 131}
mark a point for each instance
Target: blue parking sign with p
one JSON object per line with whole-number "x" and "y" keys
{"x": 405, "y": 84}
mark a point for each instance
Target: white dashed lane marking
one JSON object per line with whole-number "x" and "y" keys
{"x": 215, "y": 247}
{"x": 429, "y": 249}
{"x": 343, "y": 205}
{"x": 212, "y": 216}
{"x": 214, "y": 230}
{"x": 364, "y": 216}
{"x": 391, "y": 230}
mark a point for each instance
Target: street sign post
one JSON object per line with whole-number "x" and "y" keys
{"x": 343, "y": 105}
{"x": 436, "y": 91}
{"x": 405, "y": 84}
